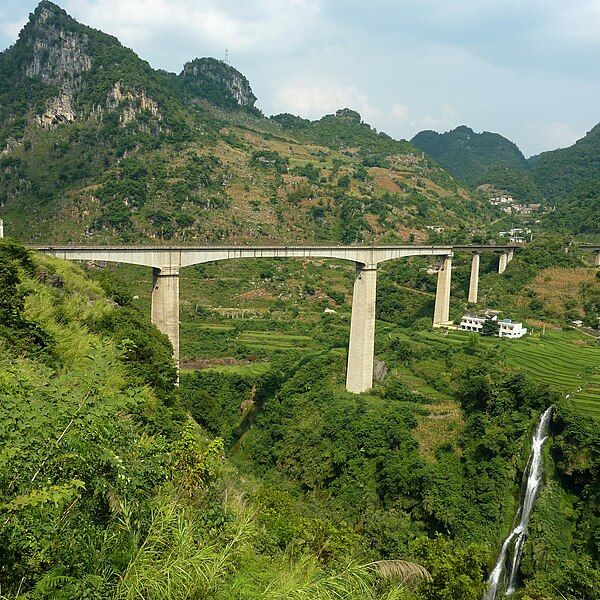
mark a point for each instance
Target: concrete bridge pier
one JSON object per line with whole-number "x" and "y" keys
{"x": 597, "y": 259}
{"x": 504, "y": 260}
{"x": 359, "y": 372}
{"x": 165, "y": 305}
{"x": 441, "y": 313}
{"x": 474, "y": 281}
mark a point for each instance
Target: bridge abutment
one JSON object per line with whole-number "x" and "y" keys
{"x": 165, "y": 305}
{"x": 441, "y": 313}
{"x": 359, "y": 372}
{"x": 474, "y": 281}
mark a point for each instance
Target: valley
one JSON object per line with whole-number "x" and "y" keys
{"x": 275, "y": 400}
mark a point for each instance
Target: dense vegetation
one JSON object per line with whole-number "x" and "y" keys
{"x": 469, "y": 155}
{"x": 518, "y": 183}
{"x": 559, "y": 173}
{"x": 259, "y": 476}
{"x": 302, "y": 491}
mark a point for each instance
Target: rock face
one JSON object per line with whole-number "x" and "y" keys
{"x": 58, "y": 110}
{"x": 57, "y": 53}
{"x": 57, "y": 57}
{"x": 218, "y": 82}
{"x": 135, "y": 102}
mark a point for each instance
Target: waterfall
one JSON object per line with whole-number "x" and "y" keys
{"x": 509, "y": 560}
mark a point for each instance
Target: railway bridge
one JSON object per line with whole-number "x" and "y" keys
{"x": 166, "y": 262}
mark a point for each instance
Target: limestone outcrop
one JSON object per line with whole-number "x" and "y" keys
{"x": 218, "y": 82}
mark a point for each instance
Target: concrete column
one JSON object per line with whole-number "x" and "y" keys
{"x": 474, "y": 282}
{"x": 510, "y": 256}
{"x": 165, "y": 305}
{"x": 359, "y": 373}
{"x": 597, "y": 259}
{"x": 441, "y": 314}
{"x": 503, "y": 262}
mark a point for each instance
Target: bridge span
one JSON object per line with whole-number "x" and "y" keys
{"x": 166, "y": 261}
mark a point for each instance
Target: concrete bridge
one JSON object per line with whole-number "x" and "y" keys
{"x": 167, "y": 261}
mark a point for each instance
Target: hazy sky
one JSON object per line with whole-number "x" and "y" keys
{"x": 528, "y": 69}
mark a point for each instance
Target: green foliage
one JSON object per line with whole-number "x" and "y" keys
{"x": 457, "y": 572}
{"x": 146, "y": 352}
{"x": 469, "y": 155}
{"x": 490, "y": 328}
{"x": 579, "y": 214}
{"x": 270, "y": 159}
{"x": 559, "y": 173}
{"x": 24, "y": 335}
{"x": 518, "y": 183}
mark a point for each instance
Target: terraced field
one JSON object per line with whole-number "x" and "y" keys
{"x": 251, "y": 370}
{"x": 564, "y": 360}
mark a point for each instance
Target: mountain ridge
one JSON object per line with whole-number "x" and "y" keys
{"x": 468, "y": 155}
{"x": 98, "y": 145}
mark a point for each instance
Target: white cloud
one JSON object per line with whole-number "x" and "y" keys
{"x": 578, "y": 21}
{"x": 11, "y": 30}
{"x": 228, "y": 24}
{"x": 400, "y": 112}
{"x": 313, "y": 99}
{"x": 560, "y": 135}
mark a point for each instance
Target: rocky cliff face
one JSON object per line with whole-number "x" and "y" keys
{"x": 69, "y": 71}
{"x": 58, "y": 57}
{"x": 218, "y": 82}
{"x": 56, "y": 53}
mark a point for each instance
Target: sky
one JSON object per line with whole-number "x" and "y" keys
{"x": 527, "y": 69}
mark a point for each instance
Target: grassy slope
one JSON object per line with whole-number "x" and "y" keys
{"x": 256, "y": 202}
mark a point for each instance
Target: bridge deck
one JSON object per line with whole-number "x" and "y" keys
{"x": 172, "y": 257}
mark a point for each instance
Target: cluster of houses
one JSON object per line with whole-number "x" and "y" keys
{"x": 509, "y": 205}
{"x": 506, "y": 327}
{"x": 516, "y": 235}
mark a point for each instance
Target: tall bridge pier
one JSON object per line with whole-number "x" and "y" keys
{"x": 505, "y": 258}
{"x": 165, "y": 304}
{"x": 441, "y": 311}
{"x": 166, "y": 263}
{"x": 474, "y": 280}
{"x": 359, "y": 372}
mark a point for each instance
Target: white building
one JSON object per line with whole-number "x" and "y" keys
{"x": 437, "y": 228}
{"x": 503, "y": 199}
{"x": 511, "y": 330}
{"x": 472, "y": 323}
{"x": 506, "y": 327}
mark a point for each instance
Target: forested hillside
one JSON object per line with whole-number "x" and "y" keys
{"x": 280, "y": 485}
{"x": 570, "y": 178}
{"x": 252, "y": 474}
{"x": 563, "y": 179}
{"x": 99, "y": 146}
{"x": 469, "y": 155}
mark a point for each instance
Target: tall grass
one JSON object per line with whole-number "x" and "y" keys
{"x": 173, "y": 560}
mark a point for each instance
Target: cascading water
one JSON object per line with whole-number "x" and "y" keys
{"x": 509, "y": 560}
